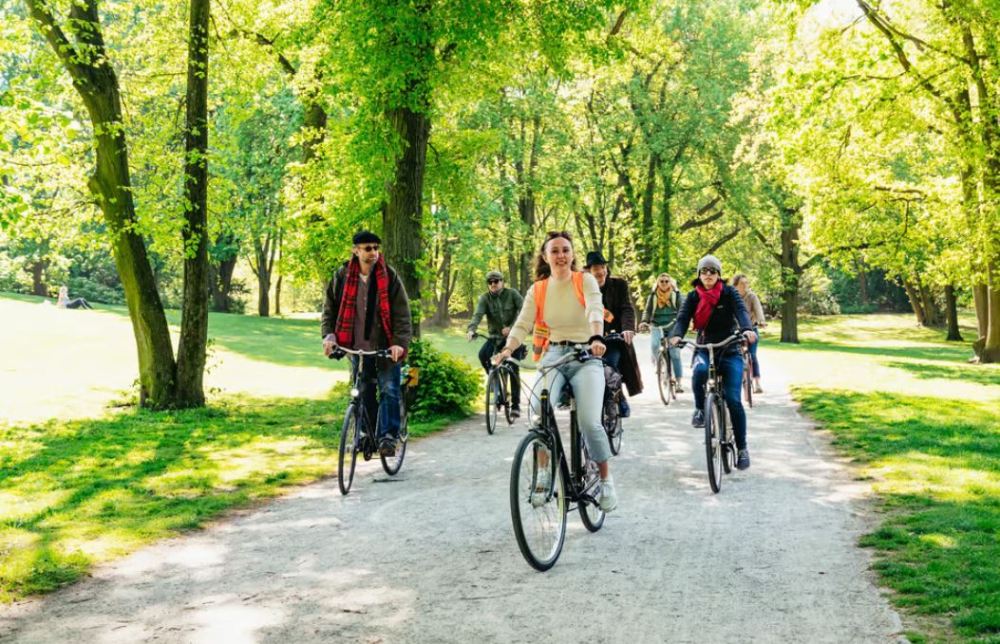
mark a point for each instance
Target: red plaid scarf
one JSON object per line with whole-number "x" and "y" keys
{"x": 349, "y": 299}
{"x": 707, "y": 299}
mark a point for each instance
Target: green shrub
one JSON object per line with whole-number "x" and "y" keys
{"x": 446, "y": 384}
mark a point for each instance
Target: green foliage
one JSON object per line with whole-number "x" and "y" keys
{"x": 447, "y": 386}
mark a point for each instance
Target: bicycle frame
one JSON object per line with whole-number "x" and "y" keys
{"x": 572, "y": 472}
{"x": 365, "y": 421}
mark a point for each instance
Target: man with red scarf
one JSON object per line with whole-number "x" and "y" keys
{"x": 718, "y": 311}
{"x": 367, "y": 308}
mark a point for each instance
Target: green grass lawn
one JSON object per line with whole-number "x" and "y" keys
{"x": 81, "y": 483}
{"x": 924, "y": 426}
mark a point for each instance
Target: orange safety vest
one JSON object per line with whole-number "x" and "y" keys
{"x": 540, "y": 343}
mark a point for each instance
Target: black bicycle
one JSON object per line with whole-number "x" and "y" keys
{"x": 720, "y": 442}
{"x": 359, "y": 433}
{"x": 665, "y": 377}
{"x": 543, "y": 484}
{"x": 499, "y": 381}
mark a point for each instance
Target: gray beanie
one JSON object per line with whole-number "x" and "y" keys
{"x": 710, "y": 261}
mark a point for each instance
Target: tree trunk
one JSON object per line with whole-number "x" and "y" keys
{"x": 951, "y": 309}
{"x": 790, "y": 310}
{"x": 932, "y": 312}
{"x": 95, "y": 80}
{"x": 863, "y": 296}
{"x": 194, "y": 317}
{"x": 981, "y": 299}
{"x": 277, "y": 295}
{"x": 915, "y": 302}
{"x": 38, "y": 286}
{"x": 402, "y": 212}
{"x": 991, "y": 348}
{"x": 220, "y": 282}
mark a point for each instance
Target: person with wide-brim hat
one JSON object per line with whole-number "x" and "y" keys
{"x": 619, "y": 317}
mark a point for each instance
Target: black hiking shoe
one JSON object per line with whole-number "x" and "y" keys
{"x": 698, "y": 418}
{"x": 742, "y": 459}
{"x": 387, "y": 447}
{"x": 515, "y": 412}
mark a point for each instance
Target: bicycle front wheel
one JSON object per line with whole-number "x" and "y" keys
{"x": 612, "y": 422}
{"x": 590, "y": 512}
{"x": 538, "y": 501}
{"x": 493, "y": 394}
{"x": 713, "y": 440}
{"x": 663, "y": 377}
{"x": 507, "y": 377}
{"x": 391, "y": 464}
{"x": 347, "y": 458}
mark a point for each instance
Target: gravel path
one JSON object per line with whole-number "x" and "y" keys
{"x": 430, "y": 556}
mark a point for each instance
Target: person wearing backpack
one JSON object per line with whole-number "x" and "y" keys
{"x": 564, "y": 308}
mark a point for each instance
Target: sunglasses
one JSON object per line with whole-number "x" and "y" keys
{"x": 369, "y": 247}
{"x": 708, "y": 270}
{"x": 493, "y": 281}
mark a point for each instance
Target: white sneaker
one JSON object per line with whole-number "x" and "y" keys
{"x": 608, "y": 499}
{"x": 543, "y": 481}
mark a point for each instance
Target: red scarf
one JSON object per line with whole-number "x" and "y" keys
{"x": 349, "y": 299}
{"x": 707, "y": 299}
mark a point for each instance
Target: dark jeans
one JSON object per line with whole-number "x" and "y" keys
{"x": 753, "y": 355}
{"x": 489, "y": 348}
{"x": 78, "y": 303}
{"x": 613, "y": 354}
{"x": 730, "y": 367}
{"x": 388, "y": 374}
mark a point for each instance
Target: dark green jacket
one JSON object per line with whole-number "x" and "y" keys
{"x": 500, "y": 310}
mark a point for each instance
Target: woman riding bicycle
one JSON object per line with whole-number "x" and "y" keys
{"x": 565, "y": 308}
{"x": 661, "y": 311}
{"x": 718, "y": 311}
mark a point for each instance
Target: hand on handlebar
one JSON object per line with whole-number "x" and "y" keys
{"x": 644, "y": 327}
{"x": 674, "y": 341}
{"x": 598, "y": 348}
{"x": 329, "y": 344}
{"x": 500, "y": 357}
{"x": 750, "y": 336}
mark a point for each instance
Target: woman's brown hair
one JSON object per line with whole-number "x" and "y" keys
{"x": 542, "y": 268}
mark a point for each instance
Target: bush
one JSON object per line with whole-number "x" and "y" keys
{"x": 446, "y": 385}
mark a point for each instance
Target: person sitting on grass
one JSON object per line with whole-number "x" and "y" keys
{"x": 64, "y": 302}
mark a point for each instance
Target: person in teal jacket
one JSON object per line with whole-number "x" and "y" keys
{"x": 659, "y": 313}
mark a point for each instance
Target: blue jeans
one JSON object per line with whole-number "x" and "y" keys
{"x": 587, "y": 381}
{"x": 388, "y": 376}
{"x": 730, "y": 367}
{"x": 753, "y": 355}
{"x": 675, "y": 352}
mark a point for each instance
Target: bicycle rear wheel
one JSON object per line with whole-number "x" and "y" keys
{"x": 538, "y": 501}
{"x": 391, "y": 464}
{"x": 493, "y": 393}
{"x": 663, "y": 376}
{"x": 347, "y": 458}
{"x": 713, "y": 440}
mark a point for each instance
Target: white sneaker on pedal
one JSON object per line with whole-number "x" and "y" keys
{"x": 608, "y": 499}
{"x": 543, "y": 481}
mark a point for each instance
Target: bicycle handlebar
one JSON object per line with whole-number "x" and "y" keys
{"x": 378, "y": 353}
{"x": 713, "y": 345}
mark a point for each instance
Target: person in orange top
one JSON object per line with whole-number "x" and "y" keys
{"x": 573, "y": 314}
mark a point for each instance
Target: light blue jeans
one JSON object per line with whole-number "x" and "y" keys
{"x": 587, "y": 381}
{"x": 675, "y": 352}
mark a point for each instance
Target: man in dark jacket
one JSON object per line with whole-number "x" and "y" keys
{"x": 717, "y": 311}
{"x": 619, "y": 308}
{"x": 366, "y": 308}
{"x": 500, "y": 305}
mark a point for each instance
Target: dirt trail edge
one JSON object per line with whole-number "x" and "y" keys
{"x": 430, "y": 556}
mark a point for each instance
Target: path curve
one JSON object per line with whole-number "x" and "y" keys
{"x": 431, "y": 557}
